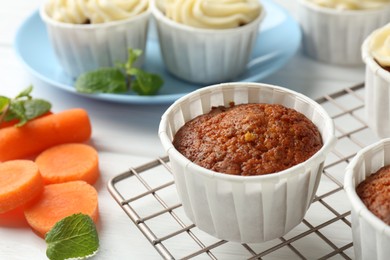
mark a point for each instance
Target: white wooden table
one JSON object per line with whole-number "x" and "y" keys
{"x": 126, "y": 135}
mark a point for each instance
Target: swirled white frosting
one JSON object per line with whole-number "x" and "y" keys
{"x": 94, "y": 11}
{"x": 379, "y": 45}
{"x": 351, "y": 4}
{"x": 211, "y": 14}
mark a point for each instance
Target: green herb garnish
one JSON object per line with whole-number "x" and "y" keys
{"x": 22, "y": 108}
{"x": 105, "y": 80}
{"x": 146, "y": 83}
{"x": 120, "y": 78}
{"x": 72, "y": 237}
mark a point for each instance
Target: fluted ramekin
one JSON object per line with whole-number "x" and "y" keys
{"x": 245, "y": 208}
{"x": 377, "y": 96}
{"x": 335, "y": 36}
{"x": 371, "y": 236}
{"x": 85, "y": 47}
{"x": 205, "y": 55}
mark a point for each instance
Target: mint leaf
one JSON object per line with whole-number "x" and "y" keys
{"x": 72, "y": 237}
{"x": 133, "y": 56}
{"x": 25, "y": 93}
{"x": 23, "y": 107}
{"x": 4, "y": 102}
{"x": 34, "y": 108}
{"x": 16, "y": 110}
{"x": 114, "y": 80}
{"x": 4, "y": 105}
{"x": 104, "y": 80}
{"x": 146, "y": 83}
{"x": 25, "y": 110}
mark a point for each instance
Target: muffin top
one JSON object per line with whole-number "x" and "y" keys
{"x": 351, "y": 4}
{"x": 211, "y": 14}
{"x": 248, "y": 139}
{"x": 374, "y": 191}
{"x": 94, "y": 11}
{"x": 379, "y": 44}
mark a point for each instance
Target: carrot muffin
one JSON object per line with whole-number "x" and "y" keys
{"x": 374, "y": 191}
{"x": 236, "y": 137}
{"x": 248, "y": 139}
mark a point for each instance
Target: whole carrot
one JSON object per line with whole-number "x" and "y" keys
{"x": 69, "y": 126}
{"x": 13, "y": 122}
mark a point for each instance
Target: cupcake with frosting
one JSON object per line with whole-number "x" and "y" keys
{"x": 207, "y": 41}
{"x": 334, "y": 30}
{"x": 88, "y": 34}
{"x": 350, "y": 4}
{"x": 376, "y": 56}
{"x": 379, "y": 45}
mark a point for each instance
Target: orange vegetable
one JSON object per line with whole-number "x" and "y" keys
{"x": 69, "y": 162}
{"x": 8, "y": 123}
{"x": 39, "y": 134}
{"x": 13, "y": 218}
{"x": 20, "y": 183}
{"x": 15, "y": 121}
{"x": 59, "y": 201}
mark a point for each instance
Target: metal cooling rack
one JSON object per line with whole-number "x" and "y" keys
{"x": 148, "y": 196}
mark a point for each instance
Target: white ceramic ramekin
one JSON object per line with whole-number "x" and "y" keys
{"x": 377, "y": 96}
{"x": 85, "y": 47}
{"x": 371, "y": 236}
{"x": 335, "y": 36}
{"x": 205, "y": 55}
{"x": 245, "y": 208}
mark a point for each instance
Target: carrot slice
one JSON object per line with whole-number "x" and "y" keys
{"x": 13, "y": 218}
{"x": 39, "y": 134}
{"x": 20, "y": 183}
{"x": 69, "y": 162}
{"x": 59, "y": 201}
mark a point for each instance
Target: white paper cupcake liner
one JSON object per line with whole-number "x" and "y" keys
{"x": 335, "y": 36}
{"x": 377, "y": 96}
{"x": 85, "y": 47}
{"x": 245, "y": 208}
{"x": 371, "y": 236}
{"x": 205, "y": 55}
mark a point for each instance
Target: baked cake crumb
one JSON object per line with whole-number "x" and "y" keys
{"x": 374, "y": 191}
{"x": 249, "y": 139}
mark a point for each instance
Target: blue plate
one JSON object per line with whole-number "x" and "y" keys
{"x": 278, "y": 40}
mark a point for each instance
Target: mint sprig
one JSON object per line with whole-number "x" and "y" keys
{"x": 145, "y": 83}
{"x": 116, "y": 80}
{"x": 22, "y": 108}
{"x": 72, "y": 237}
{"x": 105, "y": 80}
